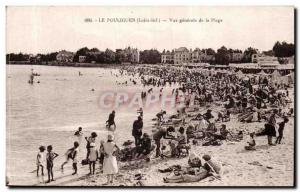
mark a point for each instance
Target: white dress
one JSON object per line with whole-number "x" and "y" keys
{"x": 110, "y": 165}
{"x": 41, "y": 159}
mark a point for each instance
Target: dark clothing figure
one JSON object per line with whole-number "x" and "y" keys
{"x": 160, "y": 115}
{"x": 207, "y": 116}
{"x": 280, "y": 132}
{"x": 244, "y": 102}
{"x": 50, "y": 158}
{"x": 137, "y": 130}
{"x": 270, "y": 128}
{"x": 145, "y": 146}
{"x": 111, "y": 119}
{"x": 230, "y": 104}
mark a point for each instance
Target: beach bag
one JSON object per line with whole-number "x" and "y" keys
{"x": 85, "y": 162}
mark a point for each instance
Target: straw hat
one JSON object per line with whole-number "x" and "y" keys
{"x": 206, "y": 157}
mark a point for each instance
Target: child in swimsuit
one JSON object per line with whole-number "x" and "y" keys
{"x": 50, "y": 158}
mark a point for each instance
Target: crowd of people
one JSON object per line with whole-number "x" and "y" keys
{"x": 222, "y": 95}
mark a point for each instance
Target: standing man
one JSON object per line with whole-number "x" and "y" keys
{"x": 111, "y": 121}
{"x": 270, "y": 126}
{"x": 137, "y": 130}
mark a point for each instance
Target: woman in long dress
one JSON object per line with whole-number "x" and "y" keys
{"x": 110, "y": 165}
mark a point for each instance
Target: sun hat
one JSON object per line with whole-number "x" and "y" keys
{"x": 206, "y": 157}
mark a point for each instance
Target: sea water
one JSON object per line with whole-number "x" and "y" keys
{"x": 49, "y": 112}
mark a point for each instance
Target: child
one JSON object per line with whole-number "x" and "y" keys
{"x": 280, "y": 130}
{"x": 101, "y": 155}
{"x": 78, "y": 132}
{"x": 93, "y": 156}
{"x": 50, "y": 157}
{"x": 89, "y": 140}
{"x": 251, "y": 143}
{"x": 75, "y": 157}
{"x": 40, "y": 160}
{"x": 79, "y": 135}
{"x": 69, "y": 156}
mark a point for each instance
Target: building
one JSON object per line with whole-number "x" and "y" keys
{"x": 201, "y": 56}
{"x": 197, "y": 56}
{"x": 182, "y": 55}
{"x": 81, "y": 59}
{"x": 132, "y": 55}
{"x": 135, "y": 56}
{"x": 167, "y": 57}
{"x": 263, "y": 59}
{"x": 65, "y": 56}
{"x": 236, "y": 56}
{"x": 128, "y": 55}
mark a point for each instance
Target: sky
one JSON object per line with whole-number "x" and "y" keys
{"x": 32, "y": 29}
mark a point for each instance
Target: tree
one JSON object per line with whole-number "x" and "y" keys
{"x": 81, "y": 52}
{"x": 283, "y": 49}
{"x": 222, "y": 56}
{"x": 151, "y": 56}
{"x": 268, "y": 53}
{"x": 209, "y": 51}
{"x": 94, "y": 49}
{"x": 17, "y": 57}
{"x": 109, "y": 56}
{"x": 248, "y": 54}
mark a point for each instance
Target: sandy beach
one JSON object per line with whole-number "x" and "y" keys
{"x": 266, "y": 166}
